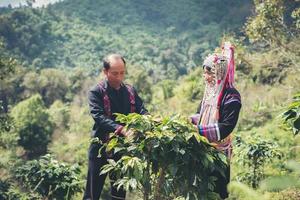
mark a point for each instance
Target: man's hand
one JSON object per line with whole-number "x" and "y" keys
{"x": 128, "y": 133}
{"x": 121, "y": 131}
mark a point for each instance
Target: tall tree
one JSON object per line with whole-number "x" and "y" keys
{"x": 273, "y": 22}
{"x": 33, "y": 125}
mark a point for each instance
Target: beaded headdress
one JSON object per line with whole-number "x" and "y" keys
{"x": 222, "y": 66}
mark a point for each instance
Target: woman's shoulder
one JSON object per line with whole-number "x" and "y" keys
{"x": 231, "y": 95}
{"x": 232, "y": 92}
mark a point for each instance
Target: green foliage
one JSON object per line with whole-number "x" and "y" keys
{"x": 166, "y": 38}
{"x": 296, "y": 16}
{"x": 288, "y": 194}
{"x": 254, "y": 154}
{"x": 269, "y": 25}
{"x": 268, "y": 67}
{"x": 11, "y": 89}
{"x": 59, "y": 114}
{"x": 7, "y": 66}
{"x": 51, "y": 84}
{"x": 4, "y": 186}
{"x": 8, "y": 190}
{"x": 182, "y": 95}
{"x": 27, "y": 39}
{"x": 278, "y": 183}
{"x": 273, "y": 31}
{"x": 291, "y": 117}
{"x": 33, "y": 125}
{"x": 142, "y": 84}
{"x": 163, "y": 43}
{"x": 8, "y": 139}
{"x": 80, "y": 122}
{"x": 70, "y": 144}
{"x": 290, "y": 179}
{"x": 167, "y": 88}
{"x": 49, "y": 178}
{"x": 239, "y": 191}
{"x": 193, "y": 86}
{"x": 164, "y": 158}
{"x": 77, "y": 80}
{"x": 260, "y": 113}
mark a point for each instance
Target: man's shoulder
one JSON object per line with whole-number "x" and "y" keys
{"x": 94, "y": 88}
{"x": 97, "y": 89}
{"x": 129, "y": 87}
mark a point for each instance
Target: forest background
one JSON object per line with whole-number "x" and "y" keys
{"x": 51, "y": 55}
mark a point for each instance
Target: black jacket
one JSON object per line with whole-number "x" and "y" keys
{"x": 119, "y": 103}
{"x": 229, "y": 111}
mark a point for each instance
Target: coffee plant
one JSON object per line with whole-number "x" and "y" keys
{"x": 291, "y": 117}
{"x": 164, "y": 158}
{"x": 49, "y": 178}
{"x": 253, "y": 155}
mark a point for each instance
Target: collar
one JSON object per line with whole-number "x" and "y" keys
{"x": 107, "y": 86}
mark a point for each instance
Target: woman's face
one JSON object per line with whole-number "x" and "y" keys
{"x": 208, "y": 75}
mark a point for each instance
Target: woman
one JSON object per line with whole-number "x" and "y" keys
{"x": 219, "y": 109}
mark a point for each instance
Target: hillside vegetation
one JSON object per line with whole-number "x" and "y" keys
{"x": 51, "y": 56}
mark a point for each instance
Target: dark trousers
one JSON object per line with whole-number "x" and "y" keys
{"x": 95, "y": 181}
{"x": 222, "y": 182}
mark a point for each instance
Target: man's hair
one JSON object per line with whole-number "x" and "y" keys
{"x": 110, "y": 57}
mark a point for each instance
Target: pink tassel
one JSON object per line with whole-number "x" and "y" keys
{"x": 231, "y": 67}
{"x": 228, "y": 52}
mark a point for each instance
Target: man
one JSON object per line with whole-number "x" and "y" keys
{"x": 108, "y": 97}
{"x": 219, "y": 109}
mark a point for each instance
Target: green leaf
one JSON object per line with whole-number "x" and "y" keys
{"x": 133, "y": 183}
{"x": 117, "y": 149}
{"x": 112, "y": 143}
{"x": 182, "y": 151}
{"x": 112, "y": 162}
{"x": 95, "y": 140}
{"x": 106, "y": 168}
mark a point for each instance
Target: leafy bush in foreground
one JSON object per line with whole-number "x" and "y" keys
{"x": 50, "y": 178}
{"x": 164, "y": 158}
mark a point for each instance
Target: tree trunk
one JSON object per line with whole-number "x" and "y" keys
{"x": 159, "y": 185}
{"x": 147, "y": 184}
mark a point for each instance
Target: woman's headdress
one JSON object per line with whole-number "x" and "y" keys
{"x": 222, "y": 65}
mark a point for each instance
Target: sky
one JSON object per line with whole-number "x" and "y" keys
{"x": 15, "y": 3}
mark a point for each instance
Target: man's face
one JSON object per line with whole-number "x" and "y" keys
{"x": 116, "y": 73}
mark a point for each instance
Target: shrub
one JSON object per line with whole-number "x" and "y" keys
{"x": 49, "y": 178}
{"x": 164, "y": 158}
{"x": 254, "y": 154}
{"x": 33, "y": 125}
{"x": 291, "y": 116}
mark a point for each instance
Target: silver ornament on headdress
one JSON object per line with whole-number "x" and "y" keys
{"x": 209, "y": 61}
{"x": 222, "y": 67}
{"x": 218, "y": 66}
